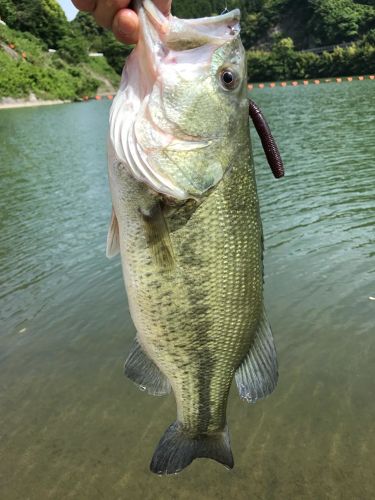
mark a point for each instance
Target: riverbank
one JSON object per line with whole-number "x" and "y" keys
{"x": 33, "y": 101}
{"x": 11, "y": 103}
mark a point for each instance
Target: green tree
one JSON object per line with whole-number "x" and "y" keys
{"x": 283, "y": 53}
{"x": 85, "y": 24}
{"x": 8, "y": 12}
{"x": 43, "y": 18}
{"x": 335, "y": 21}
{"x": 200, "y": 8}
{"x": 73, "y": 47}
{"x": 101, "y": 40}
{"x": 115, "y": 52}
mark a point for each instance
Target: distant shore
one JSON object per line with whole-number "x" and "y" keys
{"x": 28, "y": 102}
{"x": 32, "y": 101}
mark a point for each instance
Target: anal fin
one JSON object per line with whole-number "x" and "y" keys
{"x": 257, "y": 376}
{"x": 141, "y": 370}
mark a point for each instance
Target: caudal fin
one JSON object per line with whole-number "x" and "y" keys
{"x": 176, "y": 450}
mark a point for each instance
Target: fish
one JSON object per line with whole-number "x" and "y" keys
{"x": 187, "y": 225}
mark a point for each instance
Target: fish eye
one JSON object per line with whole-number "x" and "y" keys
{"x": 229, "y": 79}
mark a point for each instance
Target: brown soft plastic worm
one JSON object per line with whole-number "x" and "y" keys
{"x": 268, "y": 142}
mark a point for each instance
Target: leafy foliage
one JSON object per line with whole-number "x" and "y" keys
{"x": 335, "y": 21}
{"x": 43, "y": 18}
{"x": 46, "y": 75}
{"x": 68, "y": 74}
{"x": 290, "y": 64}
{"x": 73, "y": 47}
{"x": 19, "y": 79}
{"x": 8, "y": 11}
{"x": 101, "y": 40}
{"x": 274, "y": 28}
{"x": 327, "y": 21}
{"x": 202, "y": 8}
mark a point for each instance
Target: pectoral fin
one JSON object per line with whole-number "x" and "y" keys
{"x": 157, "y": 235}
{"x": 257, "y": 376}
{"x": 113, "y": 238}
{"x": 142, "y": 371}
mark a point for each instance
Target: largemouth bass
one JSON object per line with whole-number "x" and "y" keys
{"x": 186, "y": 223}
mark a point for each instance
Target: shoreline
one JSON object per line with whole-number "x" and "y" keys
{"x": 11, "y": 103}
{"x": 33, "y": 101}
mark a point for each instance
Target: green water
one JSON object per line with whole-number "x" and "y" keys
{"x": 71, "y": 426}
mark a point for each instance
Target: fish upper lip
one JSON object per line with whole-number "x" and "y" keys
{"x": 232, "y": 15}
{"x": 157, "y": 27}
{"x": 162, "y": 22}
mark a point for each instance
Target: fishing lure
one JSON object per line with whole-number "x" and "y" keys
{"x": 268, "y": 142}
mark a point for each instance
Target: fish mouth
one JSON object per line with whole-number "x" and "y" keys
{"x": 136, "y": 134}
{"x": 162, "y": 34}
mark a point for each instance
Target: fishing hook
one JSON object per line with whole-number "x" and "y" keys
{"x": 268, "y": 142}
{"x": 226, "y": 10}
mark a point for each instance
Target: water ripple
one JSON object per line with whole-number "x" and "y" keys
{"x": 68, "y": 417}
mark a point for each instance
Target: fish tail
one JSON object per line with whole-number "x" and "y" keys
{"x": 177, "y": 449}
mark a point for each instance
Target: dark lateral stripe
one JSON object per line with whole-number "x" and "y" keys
{"x": 204, "y": 389}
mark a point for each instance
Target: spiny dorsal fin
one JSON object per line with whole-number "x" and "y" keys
{"x": 142, "y": 371}
{"x": 113, "y": 238}
{"x": 257, "y": 376}
{"x": 158, "y": 237}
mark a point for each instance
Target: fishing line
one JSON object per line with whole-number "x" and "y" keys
{"x": 226, "y": 10}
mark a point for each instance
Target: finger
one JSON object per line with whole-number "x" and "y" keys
{"x": 164, "y": 6}
{"x": 86, "y": 5}
{"x": 106, "y": 10}
{"x": 125, "y": 26}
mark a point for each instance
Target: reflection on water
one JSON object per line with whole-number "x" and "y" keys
{"x": 71, "y": 426}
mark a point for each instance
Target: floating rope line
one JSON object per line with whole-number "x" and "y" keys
{"x": 296, "y": 83}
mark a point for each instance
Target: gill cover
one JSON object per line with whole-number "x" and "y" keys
{"x": 157, "y": 141}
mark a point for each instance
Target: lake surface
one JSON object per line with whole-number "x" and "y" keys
{"x": 72, "y": 426}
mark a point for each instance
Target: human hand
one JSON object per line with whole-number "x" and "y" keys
{"x": 115, "y": 15}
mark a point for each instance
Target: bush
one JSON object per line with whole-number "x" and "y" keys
{"x": 47, "y": 75}
{"x": 283, "y": 62}
{"x": 335, "y": 21}
{"x": 73, "y": 48}
{"x": 20, "y": 78}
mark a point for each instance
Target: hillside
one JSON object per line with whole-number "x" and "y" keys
{"x": 299, "y": 39}
{"x": 41, "y": 53}
{"x": 27, "y": 67}
{"x": 309, "y": 23}
{"x": 281, "y": 37}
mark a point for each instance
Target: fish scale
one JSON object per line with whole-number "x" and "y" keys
{"x": 205, "y": 310}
